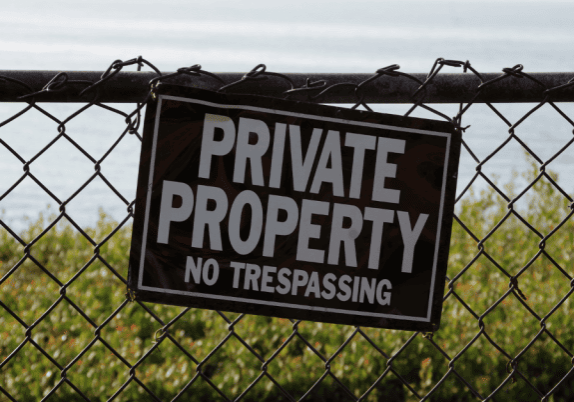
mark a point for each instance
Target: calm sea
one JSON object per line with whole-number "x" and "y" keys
{"x": 325, "y": 36}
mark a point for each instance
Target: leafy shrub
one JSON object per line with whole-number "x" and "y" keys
{"x": 76, "y": 334}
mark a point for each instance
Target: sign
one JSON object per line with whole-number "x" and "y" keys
{"x": 288, "y": 209}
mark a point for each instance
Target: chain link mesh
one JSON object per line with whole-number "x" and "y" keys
{"x": 82, "y": 346}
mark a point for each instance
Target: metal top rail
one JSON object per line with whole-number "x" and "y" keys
{"x": 127, "y": 87}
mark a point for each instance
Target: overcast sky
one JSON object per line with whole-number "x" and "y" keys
{"x": 298, "y": 36}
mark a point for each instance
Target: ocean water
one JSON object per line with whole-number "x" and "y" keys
{"x": 299, "y": 36}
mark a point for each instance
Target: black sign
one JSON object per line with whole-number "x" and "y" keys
{"x": 289, "y": 209}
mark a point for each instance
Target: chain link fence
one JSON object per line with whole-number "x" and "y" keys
{"x": 70, "y": 331}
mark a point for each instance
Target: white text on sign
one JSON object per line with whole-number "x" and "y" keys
{"x": 265, "y": 222}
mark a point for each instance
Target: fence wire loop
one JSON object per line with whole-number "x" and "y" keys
{"x": 130, "y": 295}
{"x": 513, "y": 284}
{"x": 515, "y": 71}
{"x": 389, "y": 70}
{"x": 193, "y": 70}
{"x": 510, "y": 369}
{"x": 307, "y": 88}
{"x": 158, "y": 337}
{"x": 258, "y": 73}
{"x": 54, "y": 85}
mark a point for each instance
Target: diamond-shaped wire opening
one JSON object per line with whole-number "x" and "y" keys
{"x": 487, "y": 131}
{"x": 327, "y": 338}
{"x": 541, "y": 299}
{"x": 24, "y": 206}
{"x": 18, "y": 134}
{"x": 81, "y": 208}
{"x": 99, "y": 284}
{"x": 359, "y": 354}
{"x": 12, "y": 111}
{"x": 558, "y": 245}
{"x": 11, "y": 251}
{"x": 265, "y": 388}
{"x": 191, "y": 327}
{"x": 483, "y": 285}
{"x": 329, "y": 388}
{"x": 545, "y": 363}
{"x": 189, "y": 331}
{"x": 132, "y": 336}
{"x": 63, "y": 333}
{"x": 113, "y": 248}
{"x": 11, "y": 330}
{"x": 407, "y": 363}
{"x": 53, "y": 341}
{"x": 96, "y": 128}
{"x": 192, "y": 339}
{"x": 115, "y": 124}
{"x": 545, "y": 131}
{"x": 98, "y": 373}
{"x": 479, "y": 214}
{"x": 511, "y": 339}
{"x": 30, "y": 366}
{"x": 504, "y": 165}
{"x": 544, "y": 205}
{"x": 24, "y": 293}
{"x": 432, "y": 365}
{"x": 112, "y": 238}
{"x": 466, "y": 173}
{"x": 260, "y": 333}
{"x": 297, "y": 367}
{"x": 59, "y": 249}
{"x": 11, "y": 168}
{"x": 507, "y": 231}
{"x": 96, "y": 140}
{"x": 561, "y": 166}
{"x": 109, "y": 140}
{"x": 482, "y": 366}
{"x": 450, "y": 385}
{"x": 62, "y": 168}
{"x": 460, "y": 325}
{"x": 121, "y": 166}
{"x": 233, "y": 365}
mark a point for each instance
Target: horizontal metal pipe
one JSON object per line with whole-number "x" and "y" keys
{"x": 127, "y": 87}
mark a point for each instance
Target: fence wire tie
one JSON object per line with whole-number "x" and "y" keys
{"x": 157, "y": 337}
{"x": 455, "y": 121}
{"x": 509, "y": 370}
{"x": 131, "y": 295}
{"x": 54, "y": 85}
{"x": 429, "y": 335}
{"x": 153, "y": 86}
{"x": 515, "y": 71}
{"x": 389, "y": 70}
{"x": 514, "y": 282}
{"x": 308, "y": 86}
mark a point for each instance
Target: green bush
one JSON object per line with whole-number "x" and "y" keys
{"x": 66, "y": 330}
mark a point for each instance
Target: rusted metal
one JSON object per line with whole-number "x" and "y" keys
{"x": 128, "y": 87}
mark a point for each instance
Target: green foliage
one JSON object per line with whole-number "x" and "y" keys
{"x": 85, "y": 270}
